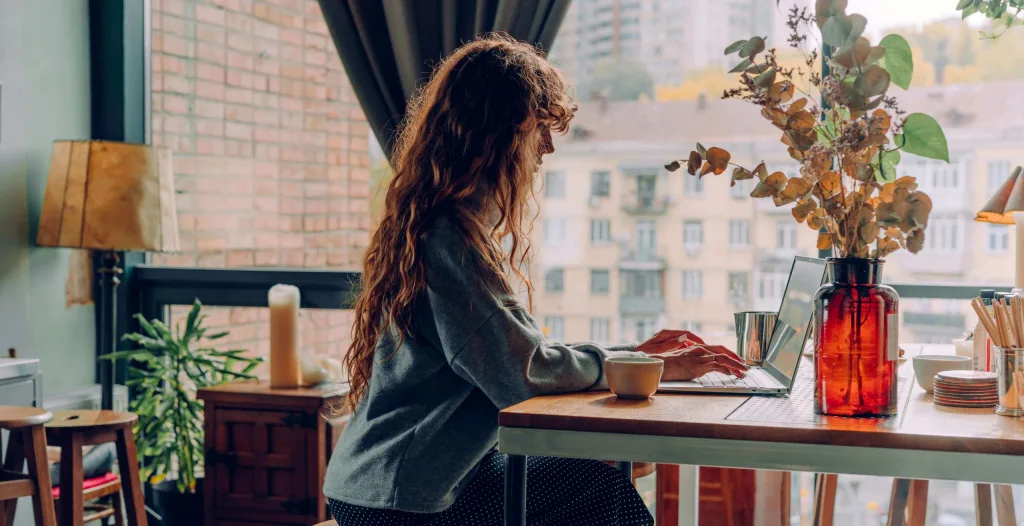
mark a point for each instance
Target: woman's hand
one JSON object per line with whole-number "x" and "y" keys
{"x": 669, "y": 340}
{"x": 687, "y": 357}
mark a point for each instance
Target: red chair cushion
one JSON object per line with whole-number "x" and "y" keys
{"x": 90, "y": 483}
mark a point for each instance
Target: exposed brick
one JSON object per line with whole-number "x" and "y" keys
{"x": 210, "y": 14}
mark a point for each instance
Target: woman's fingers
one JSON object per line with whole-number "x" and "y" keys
{"x": 723, "y": 350}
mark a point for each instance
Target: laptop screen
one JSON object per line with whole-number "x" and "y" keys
{"x": 794, "y": 321}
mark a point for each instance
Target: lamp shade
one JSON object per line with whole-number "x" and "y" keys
{"x": 1007, "y": 200}
{"x": 104, "y": 195}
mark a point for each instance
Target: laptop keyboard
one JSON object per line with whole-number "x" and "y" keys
{"x": 754, "y": 378}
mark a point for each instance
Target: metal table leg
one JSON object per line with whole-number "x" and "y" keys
{"x": 626, "y": 468}
{"x": 515, "y": 490}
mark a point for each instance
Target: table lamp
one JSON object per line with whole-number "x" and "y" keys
{"x": 1006, "y": 207}
{"x": 109, "y": 197}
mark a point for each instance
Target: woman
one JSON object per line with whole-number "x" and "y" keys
{"x": 440, "y": 344}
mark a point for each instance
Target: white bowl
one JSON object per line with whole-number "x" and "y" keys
{"x": 926, "y": 366}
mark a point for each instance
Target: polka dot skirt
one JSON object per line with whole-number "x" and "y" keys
{"x": 559, "y": 492}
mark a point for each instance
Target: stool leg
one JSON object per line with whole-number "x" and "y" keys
{"x": 131, "y": 482}
{"x": 72, "y": 507}
{"x": 825, "y": 499}
{"x": 118, "y": 510}
{"x": 917, "y": 509}
{"x": 1005, "y": 513}
{"x": 983, "y": 504}
{"x": 14, "y": 461}
{"x": 898, "y": 502}
{"x": 35, "y": 453}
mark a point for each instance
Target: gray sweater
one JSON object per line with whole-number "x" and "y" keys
{"x": 430, "y": 412}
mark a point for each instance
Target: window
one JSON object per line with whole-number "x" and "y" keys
{"x": 600, "y": 231}
{"x": 943, "y": 234}
{"x": 770, "y": 287}
{"x": 646, "y": 237}
{"x": 999, "y": 238}
{"x": 693, "y": 234}
{"x": 646, "y": 190}
{"x": 554, "y": 184}
{"x": 599, "y": 282}
{"x": 554, "y": 328}
{"x": 741, "y": 190}
{"x": 641, "y": 283}
{"x": 693, "y": 284}
{"x": 739, "y": 233}
{"x": 600, "y": 183}
{"x": 998, "y": 173}
{"x": 599, "y": 330}
{"x": 645, "y": 328}
{"x": 692, "y": 186}
{"x": 785, "y": 235}
{"x": 554, "y": 231}
{"x": 554, "y": 281}
{"x": 739, "y": 289}
{"x": 693, "y": 326}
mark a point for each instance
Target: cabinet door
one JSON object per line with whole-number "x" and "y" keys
{"x": 259, "y": 464}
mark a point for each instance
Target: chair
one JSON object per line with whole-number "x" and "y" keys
{"x": 26, "y": 442}
{"x": 108, "y": 486}
{"x": 71, "y": 430}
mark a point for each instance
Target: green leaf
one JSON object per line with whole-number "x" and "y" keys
{"x": 923, "y": 136}
{"x": 766, "y": 79}
{"x": 968, "y": 12}
{"x": 885, "y": 171}
{"x": 837, "y": 30}
{"x": 857, "y": 25}
{"x": 873, "y": 82}
{"x": 964, "y": 4}
{"x": 742, "y": 66}
{"x": 752, "y": 47}
{"x": 898, "y": 60}
{"x": 734, "y": 47}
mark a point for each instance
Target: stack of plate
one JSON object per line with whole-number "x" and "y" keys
{"x": 971, "y": 389}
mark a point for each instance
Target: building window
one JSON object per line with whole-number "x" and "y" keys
{"x": 599, "y": 282}
{"x": 641, "y": 283}
{"x": 785, "y": 235}
{"x": 554, "y": 328}
{"x": 554, "y": 281}
{"x": 741, "y": 189}
{"x": 554, "y": 231}
{"x": 600, "y": 231}
{"x": 554, "y": 184}
{"x": 739, "y": 233}
{"x": 693, "y": 235}
{"x": 771, "y": 286}
{"x": 999, "y": 239}
{"x": 692, "y": 186}
{"x": 693, "y": 284}
{"x": 645, "y": 328}
{"x": 646, "y": 237}
{"x": 600, "y": 183}
{"x": 739, "y": 289}
{"x": 693, "y": 326}
{"x": 944, "y": 234}
{"x": 599, "y": 330}
{"x": 998, "y": 173}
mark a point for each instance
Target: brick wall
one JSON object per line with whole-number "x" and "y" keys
{"x": 270, "y": 148}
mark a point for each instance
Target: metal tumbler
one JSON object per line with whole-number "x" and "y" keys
{"x": 1009, "y": 367}
{"x": 753, "y": 334}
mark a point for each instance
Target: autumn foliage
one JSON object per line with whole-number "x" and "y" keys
{"x": 848, "y": 146}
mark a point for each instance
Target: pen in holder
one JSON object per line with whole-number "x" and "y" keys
{"x": 1005, "y": 324}
{"x": 1009, "y": 369}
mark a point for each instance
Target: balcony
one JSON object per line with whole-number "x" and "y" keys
{"x": 641, "y": 305}
{"x": 645, "y": 204}
{"x": 643, "y": 259}
{"x": 933, "y": 262}
{"x": 767, "y": 206}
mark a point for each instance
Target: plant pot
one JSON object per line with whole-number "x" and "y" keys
{"x": 178, "y": 509}
{"x": 856, "y": 342}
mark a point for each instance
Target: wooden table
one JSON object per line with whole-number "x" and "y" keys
{"x": 932, "y": 442}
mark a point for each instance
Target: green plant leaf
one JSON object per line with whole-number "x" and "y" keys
{"x": 837, "y": 30}
{"x": 766, "y": 79}
{"x": 898, "y": 60}
{"x": 857, "y": 25}
{"x": 885, "y": 170}
{"x": 734, "y": 47}
{"x": 752, "y": 47}
{"x": 964, "y": 4}
{"x": 923, "y": 136}
{"x": 872, "y": 82}
{"x": 741, "y": 66}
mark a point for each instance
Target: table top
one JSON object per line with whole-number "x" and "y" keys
{"x": 924, "y": 426}
{"x": 259, "y": 393}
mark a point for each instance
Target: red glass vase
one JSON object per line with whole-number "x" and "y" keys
{"x": 856, "y": 343}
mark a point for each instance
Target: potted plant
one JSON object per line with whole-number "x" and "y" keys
{"x": 848, "y": 135}
{"x": 167, "y": 367}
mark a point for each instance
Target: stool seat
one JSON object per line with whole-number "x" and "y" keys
{"x": 14, "y": 417}
{"x": 90, "y": 419}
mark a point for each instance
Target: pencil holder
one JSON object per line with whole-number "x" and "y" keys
{"x": 1009, "y": 369}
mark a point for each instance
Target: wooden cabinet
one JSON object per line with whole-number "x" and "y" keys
{"x": 267, "y": 452}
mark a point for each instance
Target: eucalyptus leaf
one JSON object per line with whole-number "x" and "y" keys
{"x": 734, "y": 47}
{"x": 885, "y": 169}
{"x": 923, "y": 136}
{"x": 766, "y": 79}
{"x": 898, "y": 60}
{"x": 837, "y": 30}
{"x": 752, "y": 47}
{"x": 964, "y": 4}
{"x": 742, "y": 66}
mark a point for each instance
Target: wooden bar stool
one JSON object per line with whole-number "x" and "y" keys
{"x": 70, "y": 431}
{"x": 908, "y": 503}
{"x": 26, "y": 442}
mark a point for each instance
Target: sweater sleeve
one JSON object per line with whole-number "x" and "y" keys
{"x": 493, "y": 343}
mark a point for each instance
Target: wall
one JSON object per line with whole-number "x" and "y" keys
{"x": 271, "y": 153}
{"x": 44, "y": 71}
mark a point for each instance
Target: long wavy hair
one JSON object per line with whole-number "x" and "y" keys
{"x": 469, "y": 148}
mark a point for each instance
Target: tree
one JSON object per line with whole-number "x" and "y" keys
{"x": 620, "y": 79}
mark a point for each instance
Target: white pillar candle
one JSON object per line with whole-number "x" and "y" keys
{"x": 1018, "y": 217}
{"x": 284, "y": 336}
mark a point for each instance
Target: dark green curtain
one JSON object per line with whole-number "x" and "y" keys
{"x": 389, "y": 46}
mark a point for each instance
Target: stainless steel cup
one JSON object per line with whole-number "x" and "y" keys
{"x": 753, "y": 334}
{"x": 1009, "y": 367}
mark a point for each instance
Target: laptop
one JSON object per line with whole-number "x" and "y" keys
{"x": 787, "y": 342}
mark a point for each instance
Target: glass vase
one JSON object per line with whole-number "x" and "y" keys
{"x": 856, "y": 342}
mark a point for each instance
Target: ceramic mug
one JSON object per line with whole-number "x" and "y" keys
{"x": 633, "y": 376}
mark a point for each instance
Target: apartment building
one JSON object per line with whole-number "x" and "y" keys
{"x": 625, "y": 247}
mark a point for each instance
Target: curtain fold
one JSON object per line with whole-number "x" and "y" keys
{"x": 389, "y": 47}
